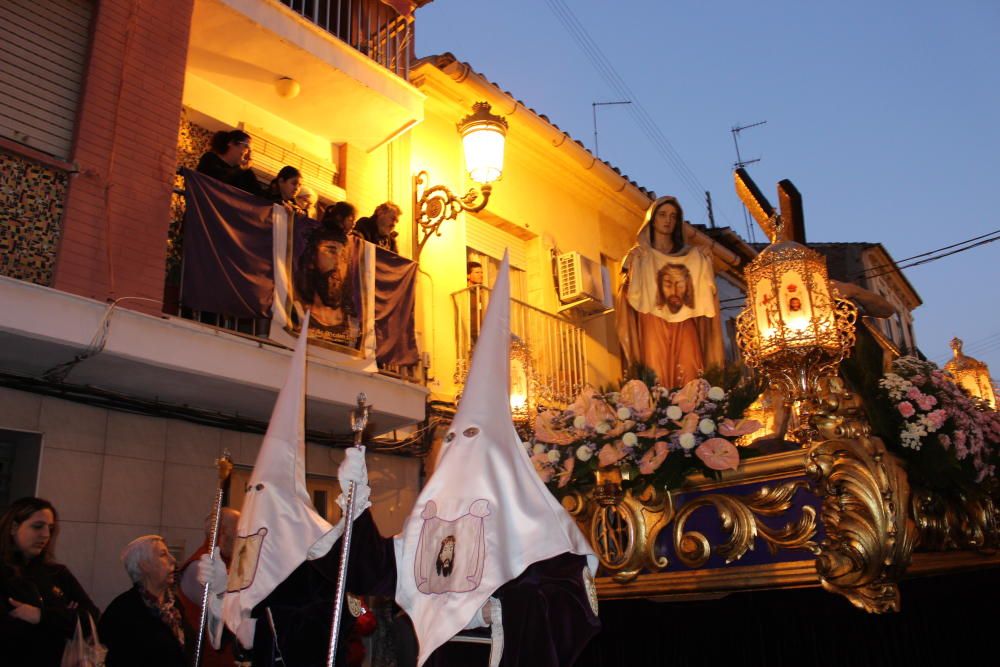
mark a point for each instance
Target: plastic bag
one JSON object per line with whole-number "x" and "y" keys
{"x": 83, "y": 651}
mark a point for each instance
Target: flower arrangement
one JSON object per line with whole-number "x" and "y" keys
{"x": 653, "y": 435}
{"x": 945, "y": 434}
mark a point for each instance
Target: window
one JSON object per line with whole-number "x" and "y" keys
{"x": 43, "y": 56}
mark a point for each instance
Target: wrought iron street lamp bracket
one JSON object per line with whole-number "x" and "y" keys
{"x": 435, "y": 204}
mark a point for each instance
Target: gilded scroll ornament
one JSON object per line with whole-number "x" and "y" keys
{"x": 869, "y": 536}
{"x": 740, "y": 517}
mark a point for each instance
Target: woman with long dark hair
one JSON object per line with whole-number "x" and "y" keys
{"x": 285, "y": 188}
{"x": 40, "y": 600}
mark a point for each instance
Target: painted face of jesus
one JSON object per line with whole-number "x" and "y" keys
{"x": 673, "y": 287}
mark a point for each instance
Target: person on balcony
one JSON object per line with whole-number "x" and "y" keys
{"x": 285, "y": 188}
{"x": 379, "y": 228}
{"x": 340, "y": 217}
{"x": 40, "y": 600}
{"x": 229, "y": 161}
{"x": 477, "y": 298}
{"x": 307, "y": 200}
{"x": 667, "y": 309}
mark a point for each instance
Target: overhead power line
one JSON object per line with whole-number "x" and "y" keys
{"x": 929, "y": 252}
{"x": 642, "y": 117}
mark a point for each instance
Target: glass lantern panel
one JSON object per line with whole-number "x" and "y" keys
{"x": 484, "y": 149}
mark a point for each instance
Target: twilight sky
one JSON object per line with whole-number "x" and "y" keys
{"x": 885, "y": 115}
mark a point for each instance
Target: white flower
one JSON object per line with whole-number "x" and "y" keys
{"x": 630, "y": 439}
{"x": 624, "y": 413}
{"x": 553, "y": 455}
{"x": 716, "y": 393}
{"x": 539, "y": 449}
{"x": 602, "y": 427}
{"x": 706, "y": 426}
{"x": 583, "y": 452}
{"x": 687, "y": 440}
{"x": 674, "y": 412}
{"x": 579, "y": 421}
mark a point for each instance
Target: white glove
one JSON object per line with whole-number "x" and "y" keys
{"x": 353, "y": 469}
{"x": 212, "y": 572}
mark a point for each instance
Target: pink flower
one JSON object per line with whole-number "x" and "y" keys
{"x": 913, "y": 393}
{"x": 542, "y": 467}
{"x": 937, "y": 418}
{"x": 690, "y": 423}
{"x": 906, "y": 409}
{"x": 693, "y": 393}
{"x": 635, "y": 395}
{"x": 718, "y": 454}
{"x": 567, "y": 473}
{"x": 610, "y": 454}
{"x": 925, "y": 402}
{"x": 945, "y": 440}
{"x": 653, "y": 432}
{"x": 653, "y": 458}
{"x": 730, "y": 428}
{"x": 546, "y": 430}
{"x": 593, "y": 408}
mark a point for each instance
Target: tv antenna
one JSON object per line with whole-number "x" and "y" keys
{"x": 593, "y": 106}
{"x": 740, "y": 164}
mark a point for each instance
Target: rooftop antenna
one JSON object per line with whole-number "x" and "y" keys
{"x": 593, "y": 106}
{"x": 741, "y": 164}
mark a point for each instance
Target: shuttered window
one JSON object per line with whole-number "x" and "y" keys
{"x": 493, "y": 241}
{"x": 43, "y": 53}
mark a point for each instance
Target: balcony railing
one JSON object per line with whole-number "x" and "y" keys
{"x": 370, "y": 26}
{"x": 551, "y": 347}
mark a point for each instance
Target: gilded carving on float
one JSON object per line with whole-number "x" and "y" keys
{"x": 956, "y": 522}
{"x": 623, "y": 527}
{"x": 869, "y": 536}
{"x": 740, "y": 517}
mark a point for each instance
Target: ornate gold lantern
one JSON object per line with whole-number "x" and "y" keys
{"x": 971, "y": 374}
{"x": 795, "y": 327}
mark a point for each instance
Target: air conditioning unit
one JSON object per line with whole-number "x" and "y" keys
{"x": 584, "y": 285}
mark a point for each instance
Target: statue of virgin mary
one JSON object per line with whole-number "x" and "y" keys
{"x": 667, "y": 309}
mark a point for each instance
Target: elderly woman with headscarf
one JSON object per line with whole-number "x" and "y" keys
{"x": 145, "y": 625}
{"x": 667, "y": 309}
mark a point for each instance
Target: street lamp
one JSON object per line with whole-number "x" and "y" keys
{"x": 483, "y": 137}
{"x": 795, "y": 327}
{"x": 971, "y": 374}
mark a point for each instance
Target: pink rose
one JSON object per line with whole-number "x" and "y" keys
{"x": 610, "y": 454}
{"x": 718, "y": 454}
{"x": 635, "y": 395}
{"x": 913, "y": 393}
{"x": 926, "y": 402}
{"x": 938, "y": 418}
{"x": 731, "y": 428}
{"x": 906, "y": 409}
{"x": 653, "y": 458}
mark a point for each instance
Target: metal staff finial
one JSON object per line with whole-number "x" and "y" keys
{"x": 359, "y": 420}
{"x": 225, "y": 466}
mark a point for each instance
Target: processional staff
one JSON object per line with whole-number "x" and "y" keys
{"x": 359, "y": 420}
{"x": 225, "y": 466}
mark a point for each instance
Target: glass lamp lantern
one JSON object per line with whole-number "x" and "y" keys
{"x": 483, "y": 137}
{"x": 795, "y": 327}
{"x": 971, "y": 374}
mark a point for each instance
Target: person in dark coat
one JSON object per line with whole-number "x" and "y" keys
{"x": 228, "y": 161}
{"x": 145, "y": 625}
{"x": 379, "y": 228}
{"x": 40, "y": 600}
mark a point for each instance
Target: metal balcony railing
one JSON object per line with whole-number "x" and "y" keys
{"x": 370, "y": 26}
{"x": 550, "y": 348}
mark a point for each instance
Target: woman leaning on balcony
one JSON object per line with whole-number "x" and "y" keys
{"x": 40, "y": 600}
{"x": 229, "y": 161}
